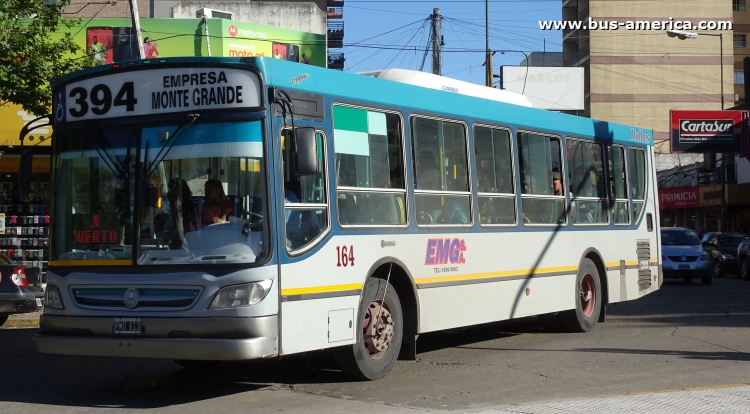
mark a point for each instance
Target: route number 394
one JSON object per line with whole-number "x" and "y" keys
{"x": 99, "y": 99}
{"x": 344, "y": 256}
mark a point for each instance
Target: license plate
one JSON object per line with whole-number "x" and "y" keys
{"x": 128, "y": 325}
{"x": 38, "y": 301}
{"x": 684, "y": 266}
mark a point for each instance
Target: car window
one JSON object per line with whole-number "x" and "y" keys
{"x": 679, "y": 238}
{"x": 731, "y": 241}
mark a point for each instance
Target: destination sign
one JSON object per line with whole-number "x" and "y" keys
{"x": 156, "y": 91}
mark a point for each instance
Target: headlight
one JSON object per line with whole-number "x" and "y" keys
{"x": 727, "y": 257}
{"x": 53, "y": 298}
{"x": 705, "y": 257}
{"x": 241, "y": 295}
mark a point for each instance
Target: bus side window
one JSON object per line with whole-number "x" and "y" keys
{"x": 637, "y": 161}
{"x": 618, "y": 184}
{"x": 305, "y": 197}
{"x": 540, "y": 165}
{"x": 440, "y": 172}
{"x": 368, "y": 147}
{"x": 494, "y": 176}
{"x": 587, "y": 190}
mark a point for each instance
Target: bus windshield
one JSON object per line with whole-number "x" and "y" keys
{"x": 175, "y": 194}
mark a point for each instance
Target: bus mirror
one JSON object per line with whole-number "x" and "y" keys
{"x": 24, "y": 171}
{"x": 305, "y": 151}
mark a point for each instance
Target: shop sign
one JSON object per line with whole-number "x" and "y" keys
{"x": 675, "y": 198}
{"x": 707, "y": 131}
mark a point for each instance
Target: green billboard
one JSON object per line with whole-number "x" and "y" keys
{"x": 112, "y": 40}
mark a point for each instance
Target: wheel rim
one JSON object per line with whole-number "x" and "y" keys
{"x": 377, "y": 334}
{"x": 588, "y": 295}
{"x": 717, "y": 269}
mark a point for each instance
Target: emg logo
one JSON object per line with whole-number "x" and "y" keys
{"x": 232, "y": 30}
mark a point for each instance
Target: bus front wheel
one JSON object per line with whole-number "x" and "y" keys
{"x": 379, "y": 333}
{"x": 588, "y": 298}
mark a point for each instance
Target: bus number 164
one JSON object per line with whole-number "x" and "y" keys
{"x": 344, "y": 256}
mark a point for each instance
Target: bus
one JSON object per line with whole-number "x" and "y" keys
{"x": 224, "y": 209}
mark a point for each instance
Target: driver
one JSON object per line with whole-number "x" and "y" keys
{"x": 215, "y": 206}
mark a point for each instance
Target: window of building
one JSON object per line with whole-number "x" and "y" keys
{"x": 441, "y": 183}
{"x": 586, "y": 182}
{"x": 542, "y": 184}
{"x": 369, "y": 167}
{"x": 740, "y": 40}
{"x": 738, "y": 5}
{"x": 739, "y": 78}
{"x": 494, "y": 176}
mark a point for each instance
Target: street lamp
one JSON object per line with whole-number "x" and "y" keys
{"x": 693, "y": 35}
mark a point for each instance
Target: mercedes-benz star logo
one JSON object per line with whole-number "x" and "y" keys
{"x": 131, "y": 298}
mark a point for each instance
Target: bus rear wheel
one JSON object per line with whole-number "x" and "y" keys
{"x": 588, "y": 293}
{"x": 379, "y": 333}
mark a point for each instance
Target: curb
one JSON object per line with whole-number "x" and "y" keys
{"x": 21, "y": 323}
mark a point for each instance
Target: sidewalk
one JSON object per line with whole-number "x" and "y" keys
{"x": 23, "y": 320}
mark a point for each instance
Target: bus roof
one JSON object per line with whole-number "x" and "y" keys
{"x": 375, "y": 91}
{"x": 429, "y": 80}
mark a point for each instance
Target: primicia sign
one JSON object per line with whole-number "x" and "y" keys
{"x": 674, "y": 198}
{"x": 707, "y": 131}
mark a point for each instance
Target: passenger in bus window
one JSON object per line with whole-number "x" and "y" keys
{"x": 455, "y": 211}
{"x": 182, "y": 212}
{"x": 215, "y": 206}
{"x": 557, "y": 186}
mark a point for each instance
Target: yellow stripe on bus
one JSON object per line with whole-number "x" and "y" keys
{"x": 508, "y": 273}
{"x": 123, "y": 262}
{"x": 320, "y": 289}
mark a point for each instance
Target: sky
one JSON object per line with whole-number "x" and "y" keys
{"x": 382, "y": 34}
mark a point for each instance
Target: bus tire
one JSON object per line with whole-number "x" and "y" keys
{"x": 588, "y": 294}
{"x": 372, "y": 357}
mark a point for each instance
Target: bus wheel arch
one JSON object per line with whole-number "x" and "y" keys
{"x": 383, "y": 329}
{"x": 403, "y": 282}
{"x": 590, "y": 292}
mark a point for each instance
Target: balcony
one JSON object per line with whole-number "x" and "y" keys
{"x": 335, "y": 3}
{"x": 335, "y": 34}
{"x": 336, "y": 61}
{"x": 335, "y": 12}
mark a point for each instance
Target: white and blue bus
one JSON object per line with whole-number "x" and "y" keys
{"x": 220, "y": 209}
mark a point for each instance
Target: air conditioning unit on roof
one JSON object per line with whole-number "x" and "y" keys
{"x": 213, "y": 14}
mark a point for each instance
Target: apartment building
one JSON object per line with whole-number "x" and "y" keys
{"x": 636, "y": 76}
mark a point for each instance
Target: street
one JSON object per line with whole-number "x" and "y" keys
{"x": 684, "y": 336}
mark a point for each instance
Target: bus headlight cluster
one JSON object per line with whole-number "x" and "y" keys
{"x": 241, "y": 295}
{"x": 54, "y": 298}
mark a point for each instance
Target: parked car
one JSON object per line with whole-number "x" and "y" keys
{"x": 683, "y": 256}
{"x": 743, "y": 259}
{"x": 20, "y": 288}
{"x": 723, "y": 248}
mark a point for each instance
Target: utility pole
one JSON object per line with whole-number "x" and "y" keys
{"x": 437, "y": 42}
{"x": 137, "y": 27}
{"x": 489, "y": 79}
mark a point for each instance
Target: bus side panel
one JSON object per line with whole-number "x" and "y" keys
{"x": 489, "y": 302}
{"x": 318, "y": 323}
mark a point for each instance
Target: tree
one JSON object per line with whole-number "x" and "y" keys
{"x": 30, "y": 55}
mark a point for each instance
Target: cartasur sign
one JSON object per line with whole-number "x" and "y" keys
{"x": 707, "y": 131}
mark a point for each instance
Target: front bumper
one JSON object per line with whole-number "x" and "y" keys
{"x": 221, "y": 339}
{"x": 681, "y": 274}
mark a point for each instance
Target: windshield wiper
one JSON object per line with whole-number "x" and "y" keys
{"x": 166, "y": 148}
{"x": 113, "y": 163}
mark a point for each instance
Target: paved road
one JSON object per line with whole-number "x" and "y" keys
{"x": 684, "y": 336}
